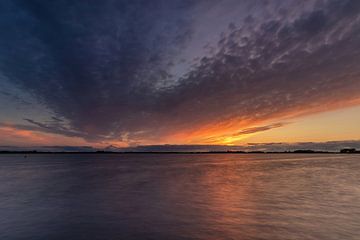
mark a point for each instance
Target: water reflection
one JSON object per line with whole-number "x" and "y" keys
{"x": 180, "y": 197}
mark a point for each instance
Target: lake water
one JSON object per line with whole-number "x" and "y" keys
{"x": 180, "y": 196}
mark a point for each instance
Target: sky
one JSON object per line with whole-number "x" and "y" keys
{"x": 179, "y": 72}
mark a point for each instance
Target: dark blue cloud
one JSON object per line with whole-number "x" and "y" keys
{"x": 116, "y": 68}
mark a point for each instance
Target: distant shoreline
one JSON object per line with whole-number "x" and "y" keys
{"x": 163, "y": 152}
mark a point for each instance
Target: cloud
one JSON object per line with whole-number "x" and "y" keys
{"x": 332, "y": 146}
{"x": 260, "y": 129}
{"x": 233, "y": 137}
{"x": 15, "y": 98}
{"x": 143, "y": 72}
{"x": 43, "y": 127}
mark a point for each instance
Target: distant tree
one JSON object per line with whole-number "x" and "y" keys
{"x": 348, "y": 150}
{"x": 304, "y": 151}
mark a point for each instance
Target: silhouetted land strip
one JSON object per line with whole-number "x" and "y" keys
{"x": 302, "y": 151}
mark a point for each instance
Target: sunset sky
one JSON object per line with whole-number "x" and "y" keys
{"x": 129, "y": 73}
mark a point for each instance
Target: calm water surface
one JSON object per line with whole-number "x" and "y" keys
{"x": 209, "y": 196}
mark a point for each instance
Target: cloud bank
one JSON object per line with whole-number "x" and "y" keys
{"x": 141, "y": 72}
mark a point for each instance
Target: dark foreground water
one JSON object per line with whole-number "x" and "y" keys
{"x": 208, "y": 196}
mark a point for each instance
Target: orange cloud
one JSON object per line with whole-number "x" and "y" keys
{"x": 13, "y": 136}
{"x": 235, "y": 129}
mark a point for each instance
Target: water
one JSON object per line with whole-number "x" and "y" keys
{"x": 207, "y": 196}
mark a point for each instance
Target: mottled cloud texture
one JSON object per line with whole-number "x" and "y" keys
{"x": 146, "y": 71}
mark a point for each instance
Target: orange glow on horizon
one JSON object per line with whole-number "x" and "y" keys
{"x": 224, "y": 132}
